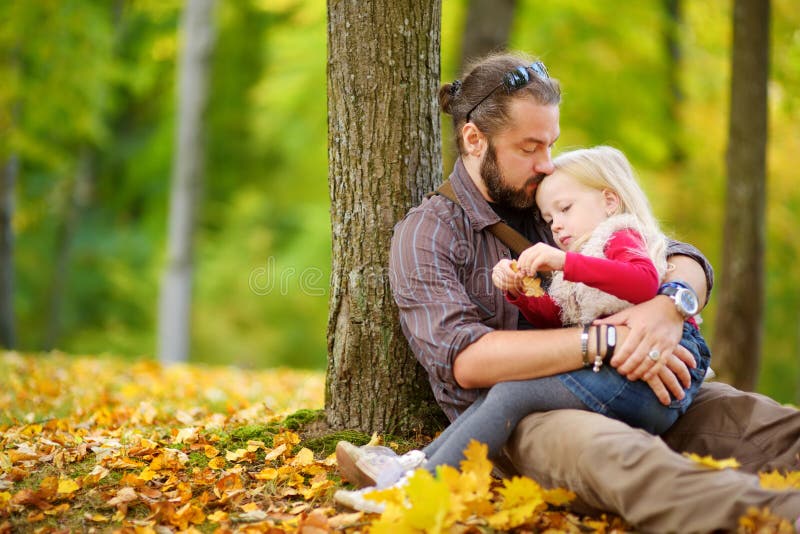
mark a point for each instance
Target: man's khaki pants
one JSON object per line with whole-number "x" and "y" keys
{"x": 615, "y": 468}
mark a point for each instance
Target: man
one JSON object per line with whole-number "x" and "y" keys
{"x": 468, "y": 337}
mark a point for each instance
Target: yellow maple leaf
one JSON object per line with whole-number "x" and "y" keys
{"x": 775, "y": 480}
{"x": 210, "y": 451}
{"x": 558, "y": 496}
{"x": 147, "y": 474}
{"x": 288, "y": 438}
{"x": 217, "y": 462}
{"x": 268, "y": 473}
{"x": 235, "y": 456}
{"x": 471, "y": 488}
{"x": 218, "y": 516}
{"x": 304, "y": 457}
{"x": 67, "y": 486}
{"x": 476, "y": 461}
{"x": 186, "y": 435}
{"x": 425, "y": 507}
{"x": 274, "y": 453}
{"x": 708, "y": 461}
{"x": 374, "y": 440}
{"x": 250, "y": 507}
{"x": 532, "y": 284}
{"x": 522, "y": 500}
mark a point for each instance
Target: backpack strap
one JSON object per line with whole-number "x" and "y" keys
{"x": 510, "y": 237}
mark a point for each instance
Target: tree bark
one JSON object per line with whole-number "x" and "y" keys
{"x": 737, "y": 343}
{"x": 174, "y": 313}
{"x": 487, "y": 29}
{"x": 384, "y": 141}
{"x": 8, "y": 180}
{"x": 672, "y": 42}
{"x": 77, "y": 197}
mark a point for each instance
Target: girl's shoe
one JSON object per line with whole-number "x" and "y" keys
{"x": 356, "y": 499}
{"x": 374, "y": 466}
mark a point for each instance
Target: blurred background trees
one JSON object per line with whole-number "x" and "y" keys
{"x": 87, "y": 129}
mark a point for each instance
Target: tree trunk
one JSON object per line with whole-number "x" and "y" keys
{"x": 384, "y": 140}
{"x": 737, "y": 343}
{"x": 672, "y": 42}
{"x": 8, "y": 180}
{"x": 77, "y": 194}
{"x": 174, "y": 313}
{"x": 487, "y": 29}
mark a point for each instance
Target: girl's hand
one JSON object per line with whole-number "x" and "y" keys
{"x": 541, "y": 257}
{"x": 505, "y": 279}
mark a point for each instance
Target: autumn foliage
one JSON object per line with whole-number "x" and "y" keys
{"x": 98, "y": 444}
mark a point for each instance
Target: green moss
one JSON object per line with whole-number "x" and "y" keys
{"x": 301, "y": 418}
{"x": 198, "y": 459}
{"x": 239, "y": 437}
{"x": 325, "y": 445}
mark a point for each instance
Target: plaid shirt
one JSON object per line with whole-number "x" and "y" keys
{"x": 440, "y": 264}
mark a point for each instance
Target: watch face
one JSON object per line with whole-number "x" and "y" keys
{"x": 687, "y": 301}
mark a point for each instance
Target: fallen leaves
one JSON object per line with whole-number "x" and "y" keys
{"x": 469, "y": 497}
{"x": 711, "y": 463}
{"x": 89, "y": 443}
{"x": 141, "y": 447}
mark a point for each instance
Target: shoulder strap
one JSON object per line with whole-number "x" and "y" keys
{"x": 510, "y": 237}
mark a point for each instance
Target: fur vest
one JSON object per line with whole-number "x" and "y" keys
{"x": 581, "y": 304}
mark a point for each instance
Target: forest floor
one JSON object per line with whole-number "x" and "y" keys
{"x": 98, "y": 444}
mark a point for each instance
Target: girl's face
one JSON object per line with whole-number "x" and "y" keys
{"x": 572, "y": 210}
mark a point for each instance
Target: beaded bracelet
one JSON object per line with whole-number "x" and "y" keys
{"x": 585, "y": 345}
{"x": 598, "y": 359}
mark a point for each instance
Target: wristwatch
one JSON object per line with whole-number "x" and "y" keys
{"x": 683, "y": 296}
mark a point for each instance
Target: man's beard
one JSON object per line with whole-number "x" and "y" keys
{"x": 500, "y": 192}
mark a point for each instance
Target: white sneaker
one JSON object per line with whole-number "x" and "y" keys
{"x": 374, "y": 466}
{"x": 356, "y": 499}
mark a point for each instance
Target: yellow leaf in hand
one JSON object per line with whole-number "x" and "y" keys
{"x": 532, "y": 284}
{"x": 708, "y": 461}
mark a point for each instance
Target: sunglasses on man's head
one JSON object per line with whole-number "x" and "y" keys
{"x": 516, "y": 79}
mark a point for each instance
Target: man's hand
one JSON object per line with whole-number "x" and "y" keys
{"x": 655, "y": 326}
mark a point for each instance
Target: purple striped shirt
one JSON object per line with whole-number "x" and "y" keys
{"x": 440, "y": 269}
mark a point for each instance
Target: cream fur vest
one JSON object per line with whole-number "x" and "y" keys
{"x": 581, "y": 304}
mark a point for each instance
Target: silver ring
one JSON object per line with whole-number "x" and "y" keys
{"x": 654, "y": 355}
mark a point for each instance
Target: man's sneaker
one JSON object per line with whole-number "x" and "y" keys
{"x": 373, "y": 465}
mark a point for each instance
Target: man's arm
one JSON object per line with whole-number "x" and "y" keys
{"x": 504, "y": 355}
{"x": 688, "y": 270}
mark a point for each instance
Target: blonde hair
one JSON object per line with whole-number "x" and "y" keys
{"x": 605, "y": 167}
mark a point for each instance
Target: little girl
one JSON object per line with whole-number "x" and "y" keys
{"x": 610, "y": 255}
